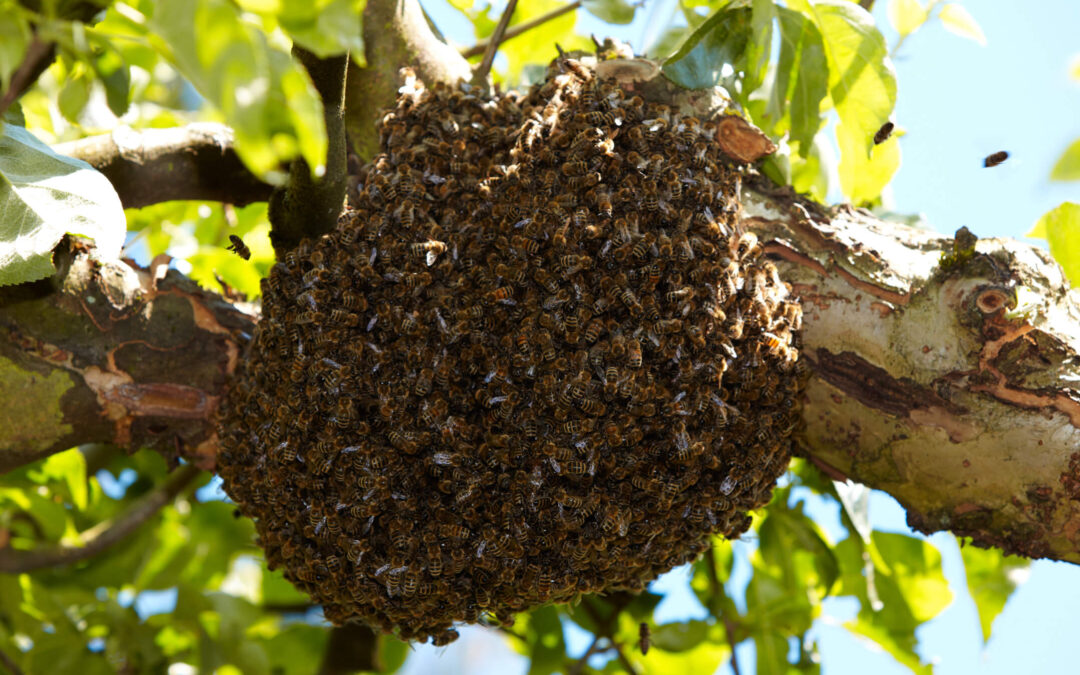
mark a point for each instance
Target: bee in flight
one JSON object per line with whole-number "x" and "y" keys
{"x": 883, "y": 133}
{"x": 239, "y": 247}
{"x": 995, "y": 159}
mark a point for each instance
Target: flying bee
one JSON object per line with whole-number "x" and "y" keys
{"x": 995, "y": 159}
{"x": 239, "y": 247}
{"x": 883, "y": 133}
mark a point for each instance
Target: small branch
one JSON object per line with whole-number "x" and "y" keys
{"x": 102, "y": 535}
{"x": 39, "y": 54}
{"x": 307, "y": 207}
{"x": 146, "y": 167}
{"x": 493, "y": 43}
{"x": 511, "y": 33}
{"x": 6, "y": 662}
{"x": 579, "y": 665}
{"x": 716, "y": 590}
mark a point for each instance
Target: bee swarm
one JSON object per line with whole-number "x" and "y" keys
{"x": 537, "y": 358}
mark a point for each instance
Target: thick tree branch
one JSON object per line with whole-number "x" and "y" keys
{"x": 39, "y": 54}
{"x": 514, "y": 31}
{"x": 395, "y": 35}
{"x": 103, "y": 535}
{"x": 306, "y": 206}
{"x": 112, "y": 353}
{"x": 146, "y": 167}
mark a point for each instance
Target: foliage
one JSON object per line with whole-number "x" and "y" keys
{"x": 190, "y": 586}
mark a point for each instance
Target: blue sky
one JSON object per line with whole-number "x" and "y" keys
{"x": 958, "y": 102}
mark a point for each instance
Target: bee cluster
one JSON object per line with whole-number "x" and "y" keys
{"x": 538, "y": 358}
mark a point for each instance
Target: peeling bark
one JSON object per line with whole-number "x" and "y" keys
{"x": 113, "y": 353}
{"x": 944, "y": 380}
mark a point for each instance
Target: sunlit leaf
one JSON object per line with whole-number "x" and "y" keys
{"x": 1061, "y": 229}
{"x": 44, "y": 195}
{"x": 1068, "y": 165}
{"x": 957, "y": 19}
{"x": 70, "y": 467}
{"x": 763, "y": 13}
{"x": 720, "y": 41}
{"x": 297, "y": 649}
{"x": 611, "y": 11}
{"x": 862, "y": 86}
{"x": 862, "y": 180}
{"x": 771, "y": 649}
{"x": 792, "y": 543}
{"x": 906, "y": 16}
{"x": 810, "y": 176}
{"x": 263, "y": 93}
{"x": 991, "y": 578}
{"x": 323, "y": 27}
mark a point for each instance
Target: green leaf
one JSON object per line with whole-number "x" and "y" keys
{"x": 792, "y": 543}
{"x": 1068, "y": 165}
{"x": 546, "y": 641}
{"x": 75, "y": 93}
{"x": 611, "y": 11}
{"x": 14, "y": 39}
{"x": 991, "y": 580}
{"x": 906, "y": 16}
{"x": 392, "y": 653}
{"x": 265, "y": 96}
{"x": 771, "y": 649}
{"x": 114, "y": 73}
{"x": 957, "y": 19}
{"x": 763, "y": 12}
{"x": 70, "y": 467}
{"x": 721, "y": 40}
{"x": 44, "y": 195}
{"x": 805, "y": 80}
{"x": 323, "y": 27}
{"x": 1061, "y": 229}
{"x": 811, "y": 175}
{"x": 862, "y": 86}
{"x": 679, "y": 637}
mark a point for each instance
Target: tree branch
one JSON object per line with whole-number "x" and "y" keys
{"x": 39, "y": 55}
{"x": 6, "y": 662}
{"x": 306, "y": 206}
{"x": 514, "y": 31}
{"x": 395, "y": 35}
{"x": 146, "y": 167}
{"x": 107, "y": 352}
{"x": 484, "y": 68}
{"x": 103, "y": 535}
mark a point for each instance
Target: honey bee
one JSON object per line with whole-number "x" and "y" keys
{"x": 577, "y": 427}
{"x": 525, "y": 245}
{"x": 500, "y": 294}
{"x": 576, "y": 467}
{"x": 544, "y": 278}
{"x": 239, "y": 247}
{"x": 633, "y": 353}
{"x": 591, "y": 406}
{"x": 668, "y": 326}
{"x": 651, "y": 199}
{"x": 574, "y": 168}
{"x": 599, "y": 118}
{"x": 995, "y": 159}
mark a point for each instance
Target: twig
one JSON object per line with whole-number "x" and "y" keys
{"x": 580, "y": 663}
{"x": 102, "y": 535}
{"x": 6, "y": 661}
{"x": 39, "y": 55}
{"x": 716, "y": 590}
{"x": 150, "y": 166}
{"x": 511, "y": 33}
{"x": 493, "y": 43}
{"x": 605, "y": 628}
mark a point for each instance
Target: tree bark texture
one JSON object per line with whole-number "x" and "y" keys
{"x": 113, "y": 353}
